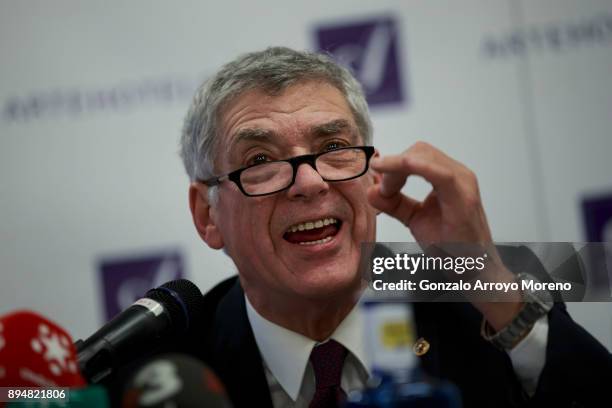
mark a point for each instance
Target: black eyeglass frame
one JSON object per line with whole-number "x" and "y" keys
{"x": 295, "y": 162}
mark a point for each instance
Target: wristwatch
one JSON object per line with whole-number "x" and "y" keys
{"x": 537, "y": 303}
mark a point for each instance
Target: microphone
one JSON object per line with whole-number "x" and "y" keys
{"x": 164, "y": 312}
{"x": 35, "y": 352}
{"x": 175, "y": 380}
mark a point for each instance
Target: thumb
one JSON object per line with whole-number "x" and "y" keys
{"x": 398, "y": 205}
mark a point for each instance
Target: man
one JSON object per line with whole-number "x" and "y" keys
{"x": 283, "y": 180}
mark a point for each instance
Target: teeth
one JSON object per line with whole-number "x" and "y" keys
{"x": 305, "y": 226}
{"x": 319, "y": 241}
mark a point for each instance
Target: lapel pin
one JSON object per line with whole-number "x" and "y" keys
{"x": 421, "y": 346}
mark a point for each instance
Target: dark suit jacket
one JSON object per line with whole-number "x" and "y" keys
{"x": 578, "y": 370}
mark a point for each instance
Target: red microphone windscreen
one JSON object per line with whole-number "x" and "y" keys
{"x": 35, "y": 352}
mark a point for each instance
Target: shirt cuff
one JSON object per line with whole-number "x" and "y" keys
{"x": 529, "y": 356}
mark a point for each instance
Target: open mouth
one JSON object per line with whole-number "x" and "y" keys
{"x": 313, "y": 232}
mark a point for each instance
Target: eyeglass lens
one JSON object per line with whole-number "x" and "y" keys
{"x": 335, "y": 165}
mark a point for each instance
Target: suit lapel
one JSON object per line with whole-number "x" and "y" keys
{"x": 235, "y": 354}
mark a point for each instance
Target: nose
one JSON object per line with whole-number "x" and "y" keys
{"x": 308, "y": 184}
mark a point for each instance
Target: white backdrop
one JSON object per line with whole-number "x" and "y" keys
{"x": 487, "y": 81}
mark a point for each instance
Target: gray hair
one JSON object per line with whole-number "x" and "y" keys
{"x": 271, "y": 70}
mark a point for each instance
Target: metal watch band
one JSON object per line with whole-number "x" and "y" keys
{"x": 537, "y": 304}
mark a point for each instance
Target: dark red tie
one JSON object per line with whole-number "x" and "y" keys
{"x": 327, "y": 360}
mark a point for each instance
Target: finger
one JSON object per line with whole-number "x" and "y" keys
{"x": 442, "y": 177}
{"x": 391, "y": 183}
{"x": 394, "y": 173}
{"x": 392, "y": 162}
{"x": 419, "y": 151}
{"x": 426, "y": 161}
{"x": 398, "y": 206}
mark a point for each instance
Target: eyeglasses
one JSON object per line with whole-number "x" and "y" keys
{"x": 266, "y": 178}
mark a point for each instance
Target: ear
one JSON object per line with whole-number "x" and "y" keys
{"x": 204, "y": 215}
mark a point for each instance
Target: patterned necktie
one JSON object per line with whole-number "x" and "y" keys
{"x": 327, "y": 361}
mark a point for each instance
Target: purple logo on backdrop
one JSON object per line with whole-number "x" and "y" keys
{"x": 127, "y": 279}
{"x": 370, "y": 49}
{"x": 598, "y": 221}
{"x": 598, "y": 218}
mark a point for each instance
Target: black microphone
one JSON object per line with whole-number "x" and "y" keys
{"x": 174, "y": 380}
{"x": 164, "y": 312}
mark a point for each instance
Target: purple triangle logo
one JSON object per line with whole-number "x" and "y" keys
{"x": 126, "y": 279}
{"x": 370, "y": 48}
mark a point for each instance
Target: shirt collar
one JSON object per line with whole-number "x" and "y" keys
{"x": 286, "y": 353}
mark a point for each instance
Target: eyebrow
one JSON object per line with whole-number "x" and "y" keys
{"x": 253, "y": 134}
{"x": 329, "y": 128}
{"x": 269, "y": 136}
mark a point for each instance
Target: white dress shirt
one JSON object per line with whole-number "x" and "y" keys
{"x": 290, "y": 375}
